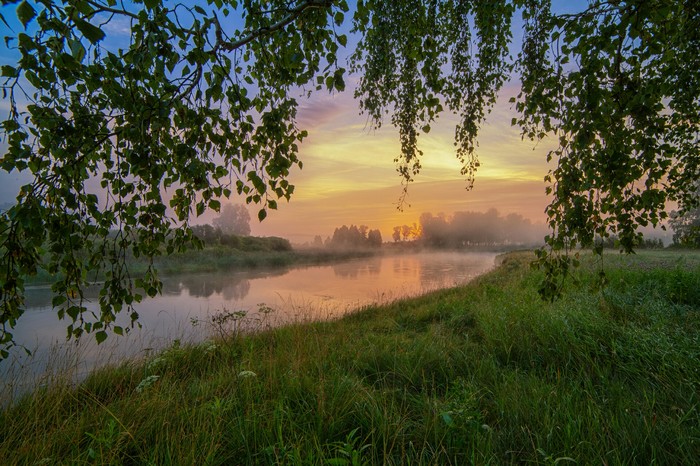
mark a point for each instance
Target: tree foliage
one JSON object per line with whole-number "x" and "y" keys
{"x": 138, "y": 135}
{"x": 234, "y": 220}
{"x": 686, "y": 223}
{"x": 354, "y": 237}
{"x": 616, "y": 85}
{"x": 621, "y": 93}
{"x": 406, "y": 232}
{"x": 138, "y": 138}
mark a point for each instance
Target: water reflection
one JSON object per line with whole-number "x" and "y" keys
{"x": 310, "y": 293}
{"x": 235, "y": 287}
{"x": 355, "y": 269}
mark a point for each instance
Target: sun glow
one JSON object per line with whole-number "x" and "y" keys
{"x": 349, "y": 174}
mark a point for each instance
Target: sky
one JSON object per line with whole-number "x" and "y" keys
{"x": 349, "y": 175}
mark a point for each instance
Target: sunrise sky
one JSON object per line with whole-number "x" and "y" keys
{"x": 349, "y": 174}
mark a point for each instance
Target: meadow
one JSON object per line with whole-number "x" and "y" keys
{"x": 486, "y": 373}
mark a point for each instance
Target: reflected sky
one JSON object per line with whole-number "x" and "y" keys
{"x": 300, "y": 294}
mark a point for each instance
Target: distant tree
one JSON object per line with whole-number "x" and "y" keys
{"x": 234, "y": 220}
{"x": 396, "y": 234}
{"x": 364, "y": 229}
{"x": 207, "y": 233}
{"x": 374, "y": 238}
{"x": 406, "y": 232}
{"x": 355, "y": 237}
{"x": 686, "y": 224}
{"x": 613, "y": 242}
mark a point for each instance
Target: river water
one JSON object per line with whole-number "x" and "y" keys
{"x": 192, "y": 308}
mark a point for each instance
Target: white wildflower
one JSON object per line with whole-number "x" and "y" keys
{"x": 147, "y": 382}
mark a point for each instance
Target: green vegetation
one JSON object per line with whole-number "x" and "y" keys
{"x": 186, "y": 110}
{"x": 221, "y": 257}
{"x": 482, "y": 374}
{"x": 231, "y": 252}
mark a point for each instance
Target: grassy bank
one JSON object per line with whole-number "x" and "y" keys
{"x": 481, "y": 374}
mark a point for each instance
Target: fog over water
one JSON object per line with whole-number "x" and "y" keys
{"x": 185, "y": 309}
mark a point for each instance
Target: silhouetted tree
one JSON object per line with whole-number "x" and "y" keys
{"x": 396, "y": 235}
{"x": 355, "y": 237}
{"x": 207, "y": 233}
{"x": 374, "y": 238}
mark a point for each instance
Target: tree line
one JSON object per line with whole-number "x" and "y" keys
{"x": 355, "y": 237}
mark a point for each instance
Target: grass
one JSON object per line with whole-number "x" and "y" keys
{"x": 481, "y": 374}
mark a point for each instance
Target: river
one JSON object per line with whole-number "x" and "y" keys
{"x": 191, "y": 308}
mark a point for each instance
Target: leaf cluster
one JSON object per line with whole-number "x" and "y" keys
{"x": 128, "y": 139}
{"x": 618, "y": 87}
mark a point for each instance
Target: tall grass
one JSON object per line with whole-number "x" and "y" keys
{"x": 481, "y": 374}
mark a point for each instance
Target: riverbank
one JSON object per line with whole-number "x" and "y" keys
{"x": 214, "y": 258}
{"x": 485, "y": 373}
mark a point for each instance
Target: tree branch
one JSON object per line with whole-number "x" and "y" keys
{"x": 292, "y": 15}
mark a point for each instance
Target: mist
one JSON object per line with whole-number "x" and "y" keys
{"x": 490, "y": 228}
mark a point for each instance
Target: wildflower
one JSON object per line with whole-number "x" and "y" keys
{"x": 147, "y": 382}
{"x": 155, "y": 363}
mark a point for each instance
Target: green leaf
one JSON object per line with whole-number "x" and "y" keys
{"x": 25, "y": 13}
{"x": 73, "y": 312}
{"x": 100, "y": 336}
{"x": 338, "y": 81}
{"x": 9, "y": 71}
{"x": 262, "y": 213}
{"x": 77, "y": 50}
{"x": 89, "y": 31}
{"x": 58, "y": 300}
